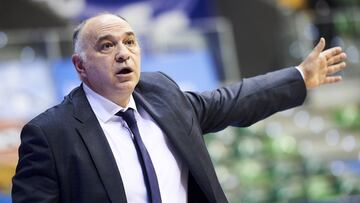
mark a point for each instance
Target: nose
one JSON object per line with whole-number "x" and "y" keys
{"x": 122, "y": 54}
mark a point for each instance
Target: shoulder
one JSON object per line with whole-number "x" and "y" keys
{"x": 156, "y": 81}
{"x": 157, "y": 87}
{"x": 156, "y": 78}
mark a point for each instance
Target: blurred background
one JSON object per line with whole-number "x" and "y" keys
{"x": 308, "y": 154}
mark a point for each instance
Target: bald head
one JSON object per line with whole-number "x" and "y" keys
{"x": 107, "y": 57}
{"x": 77, "y": 35}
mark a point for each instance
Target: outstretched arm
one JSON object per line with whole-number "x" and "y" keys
{"x": 319, "y": 65}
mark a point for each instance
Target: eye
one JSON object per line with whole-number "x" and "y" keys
{"x": 130, "y": 42}
{"x": 107, "y": 46}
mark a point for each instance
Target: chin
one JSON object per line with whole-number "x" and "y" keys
{"x": 126, "y": 88}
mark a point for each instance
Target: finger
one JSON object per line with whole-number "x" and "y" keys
{"x": 331, "y": 52}
{"x": 320, "y": 46}
{"x": 335, "y": 68}
{"x": 336, "y": 59}
{"x": 332, "y": 79}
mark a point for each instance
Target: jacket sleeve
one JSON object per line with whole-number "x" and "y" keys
{"x": 248, "y": 101}
{"x": 35, "y": 179}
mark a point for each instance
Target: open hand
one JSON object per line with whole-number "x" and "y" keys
{"x": 319, "y": 65}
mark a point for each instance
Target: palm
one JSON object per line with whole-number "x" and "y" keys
{"x": 319, "y": 65}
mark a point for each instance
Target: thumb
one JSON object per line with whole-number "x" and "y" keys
{"x": 320, "y": 46}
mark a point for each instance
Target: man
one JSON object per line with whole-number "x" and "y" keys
{"x": 86, "y": 149}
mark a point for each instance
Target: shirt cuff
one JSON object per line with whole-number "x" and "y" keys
{"x": 302, "y": 74}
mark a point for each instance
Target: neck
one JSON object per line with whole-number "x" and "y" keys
{"x": 122, "y": 103}
{"x": 121, "y": 99}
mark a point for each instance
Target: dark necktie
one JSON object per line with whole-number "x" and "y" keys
{"x": 148, "y": 170}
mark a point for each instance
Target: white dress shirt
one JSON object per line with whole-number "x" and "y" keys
{"x": 302, "y": 74}
{"x": 171, "y": 172}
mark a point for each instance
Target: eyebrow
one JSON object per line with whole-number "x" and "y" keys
{"x": 111, "y": 37}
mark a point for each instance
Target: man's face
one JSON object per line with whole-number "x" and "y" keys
{"x": 111, "y": 58}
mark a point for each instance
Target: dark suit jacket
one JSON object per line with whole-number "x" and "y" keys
{"x": 65, "y": 157}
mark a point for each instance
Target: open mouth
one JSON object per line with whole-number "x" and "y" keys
{"x": 124, "y": 71}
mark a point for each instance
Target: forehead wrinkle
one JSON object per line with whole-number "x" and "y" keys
{"x": 104, "y": 25}
{"x": 108, "y": 32}
{"x": 112, "y": 37}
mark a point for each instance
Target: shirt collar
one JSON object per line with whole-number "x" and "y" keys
{"x": 103, "y": 108}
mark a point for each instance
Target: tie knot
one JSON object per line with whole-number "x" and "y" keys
{"x": 128, "y": 116}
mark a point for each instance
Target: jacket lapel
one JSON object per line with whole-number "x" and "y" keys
{"x": 173, "y": 126}
{"x": 98, "y": 147}
{"x": 168, "y": 120}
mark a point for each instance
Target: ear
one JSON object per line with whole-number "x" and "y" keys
{"x": 79, "y": 66}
